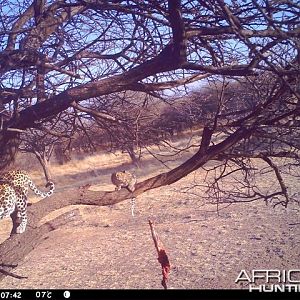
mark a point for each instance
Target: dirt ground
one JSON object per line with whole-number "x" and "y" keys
{"x": 108, "y": 248}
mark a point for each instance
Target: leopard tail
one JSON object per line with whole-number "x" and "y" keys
{"x": 50, "y": 184}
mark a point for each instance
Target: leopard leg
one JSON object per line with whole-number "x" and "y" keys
{"x": 7, "y": 210}
{"x": 7, "y": 202}
{"x": 21, "y": 206}
{"x": 131, "y": 187}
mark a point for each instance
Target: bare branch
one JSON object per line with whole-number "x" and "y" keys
{"x": 279, "y": 178}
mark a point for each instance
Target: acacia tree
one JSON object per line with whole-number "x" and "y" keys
{"x": 58, "y": 57}
{"x": 42, "y": 146}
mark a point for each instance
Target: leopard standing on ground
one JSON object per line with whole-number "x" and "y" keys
{"x": 124, "y": 179}
{"x": 14, "y": 187}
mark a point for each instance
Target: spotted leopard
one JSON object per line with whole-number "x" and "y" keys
{"x": 14, "y": 187}
{"x": 123, "y": 179}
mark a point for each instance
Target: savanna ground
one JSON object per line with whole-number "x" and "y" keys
{"x": 105, "y": 247}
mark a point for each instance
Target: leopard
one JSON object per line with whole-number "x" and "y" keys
{"x": 14, "y": 187}
{"x": 124, "y": 179}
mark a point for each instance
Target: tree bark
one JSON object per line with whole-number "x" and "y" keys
{"x": 44, "y": 163}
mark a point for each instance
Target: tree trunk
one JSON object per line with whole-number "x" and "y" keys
{"x": 134, "y": 159}
{"x": 44, "y": 163}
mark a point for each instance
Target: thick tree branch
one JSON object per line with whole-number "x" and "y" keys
{"x": 178, "y": 30}
{"x": 228, "y": 31}
{"x": 94, "y": 113}
{"x": 234, "y": 70}
{"x": 32, "y": 236}
{"x": 54, "y": 16}
{"x": 17, "y": 27}
{"x": 58, "y": 103}
{"x": 148, "y": 87}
